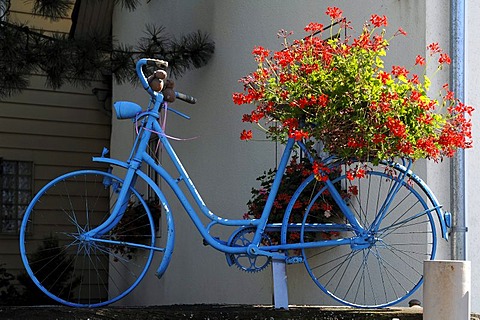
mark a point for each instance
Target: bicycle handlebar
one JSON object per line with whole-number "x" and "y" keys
{"x": 159, "y": 64}
{"x": 185, "y": 97}
{"x": 141, "y": 75}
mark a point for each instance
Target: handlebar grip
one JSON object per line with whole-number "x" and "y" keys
{"x": 185, "y": 97}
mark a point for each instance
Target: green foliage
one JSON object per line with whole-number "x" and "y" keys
{"x": 8, "y": 292}
{"x": 57, "y": 9}
{"x": 26, "y": 292}
{"x": 339, "y": 91}
{"x": 54, "y": 9}
{"x": 65, "y": 59}
{"x": 50, "y": 251}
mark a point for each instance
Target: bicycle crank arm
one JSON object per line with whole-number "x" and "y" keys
{"x": 254, "y": 250}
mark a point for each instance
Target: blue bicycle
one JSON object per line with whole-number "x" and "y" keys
{"x": 88, "y": 237}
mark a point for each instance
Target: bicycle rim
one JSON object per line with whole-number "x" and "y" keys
{"x": 75, "y": 271}
{"x": 389, "y": 267}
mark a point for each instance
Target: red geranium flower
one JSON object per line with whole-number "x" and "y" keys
{"x": 334, "y": 13}
{"x": 314, "y": 27}
{"x": 420, "y": 60}
{"x": 378, "y": 21}
{"x": 246, "y": 135}
{"x": 338, "y": 90}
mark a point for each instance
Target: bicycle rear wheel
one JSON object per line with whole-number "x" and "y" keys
{"x": 83, "y": 272}
{"x": 386, "y": 267}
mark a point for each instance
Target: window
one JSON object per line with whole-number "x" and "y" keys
{"x": 16, "y": 184}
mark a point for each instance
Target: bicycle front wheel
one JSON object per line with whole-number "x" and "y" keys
{"x": 70, "y": 268}
{"x": 384, "y": 265}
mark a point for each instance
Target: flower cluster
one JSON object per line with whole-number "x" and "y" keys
{"x": 324, "y": 210}
{"x": 339, "y": 91}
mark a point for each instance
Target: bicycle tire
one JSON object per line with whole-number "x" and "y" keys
{"x": 390, "y": 268}
{"x": 75, "y": 271}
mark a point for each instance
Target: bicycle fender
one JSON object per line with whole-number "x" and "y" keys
{"x": 167, "y": 254}
{"x": 114, "y": 162}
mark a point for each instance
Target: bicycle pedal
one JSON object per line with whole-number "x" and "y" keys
{"x": 294, "y": 260}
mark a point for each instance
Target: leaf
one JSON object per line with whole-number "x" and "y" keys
{"x": 427, "y": 82}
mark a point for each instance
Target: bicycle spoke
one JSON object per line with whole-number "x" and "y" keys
{"x": 395, "y": 268}
{"x": 408, "y": 222}
{"x": 359, "y": 273}
{"x": 337, "y": 267}
{"x": 384, "y": 264}
{"x": 85, "y": 271}
{"x": 385, "y": 274}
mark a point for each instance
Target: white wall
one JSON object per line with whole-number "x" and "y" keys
{"x": 472, "y": 93}
{"x": 223, "y": 167}
{"x": 438, "y": 30}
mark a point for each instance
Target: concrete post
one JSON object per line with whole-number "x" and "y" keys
{"x": 280, "y": 289}
{"x": 446, "y": 290}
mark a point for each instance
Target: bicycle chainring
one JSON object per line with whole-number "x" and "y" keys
{"x": 244, "y": 261}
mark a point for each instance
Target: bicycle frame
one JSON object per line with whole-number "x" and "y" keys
{"x": 139, "y": 155}
{"x": 375, "y": 257}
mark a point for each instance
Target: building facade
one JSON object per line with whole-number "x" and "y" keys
{"x": 43, "y": 133}
{"x": 224, "y": 168}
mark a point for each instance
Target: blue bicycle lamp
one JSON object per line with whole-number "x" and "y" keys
{"x": 126, "y": 109}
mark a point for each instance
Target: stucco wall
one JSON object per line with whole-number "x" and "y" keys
{"x": 437, "y": 17}
{"x": 472, "y": 156}
{"x": 223, "y": 167}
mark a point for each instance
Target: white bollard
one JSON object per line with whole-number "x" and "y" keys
{"x": 280, "y": 289}
{"x": 446, "y": 290}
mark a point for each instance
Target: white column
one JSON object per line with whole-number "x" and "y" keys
{"x": 280, "y": 289}
{"x": 446, "y": 290}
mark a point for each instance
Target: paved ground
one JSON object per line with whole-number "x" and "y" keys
{"x": 210, "y": 312}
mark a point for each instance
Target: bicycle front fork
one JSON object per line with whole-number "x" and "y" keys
{"x": 124, "y": 191}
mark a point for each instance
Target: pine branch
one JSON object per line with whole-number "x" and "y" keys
{"x": 191, "y": 51}
{"x": 128, "y": 4}
{"x": 66, "y": 60}
{"x": 13, "y": 56}
{"x": 78, "y": 62}
{"x": 53, "y": 9}
{"x": 58, "y": 9}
